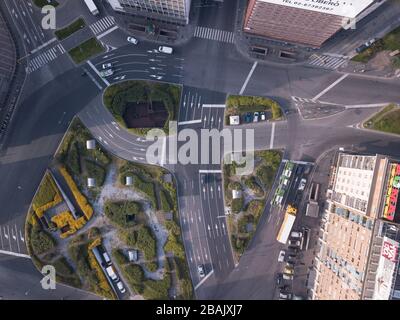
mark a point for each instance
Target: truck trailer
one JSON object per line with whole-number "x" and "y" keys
{"x": 92, "y": 7}
{"x": 287, "y": 224}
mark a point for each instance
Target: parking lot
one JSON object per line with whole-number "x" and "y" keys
{"x": 303, "y": 187}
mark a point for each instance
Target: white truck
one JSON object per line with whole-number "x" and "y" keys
{"x": 287, "y": 224}
{"x": 92, "y": 7}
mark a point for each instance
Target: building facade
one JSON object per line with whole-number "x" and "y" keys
{"x": 173, "y": 11}
{"x": 305, "y": 22}
{"x": 355, "y": 204}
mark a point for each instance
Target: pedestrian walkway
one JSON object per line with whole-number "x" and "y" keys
{"x": 214, "y": 34}
{"x": 102, "y": 25}
{"x": 44, "y": 58}
{"x": 326, "y": 61}
{"x": 303, "y": 100}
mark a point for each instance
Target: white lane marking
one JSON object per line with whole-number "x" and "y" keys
{"x": 202, "y": 281}
{"x": 210, "y": 171}
{"x": 189, "y": 122}
{"x": 107, "y": 32}
{"x": 213, "y": 106}
{"x": 43, "y": 45}
{"x": 10, "y": 253}
{"x": 98, "y": 73}
{"x": 271, "y": 142}
{"x": 330, "y": 87}
{"x": 248, "y": 77}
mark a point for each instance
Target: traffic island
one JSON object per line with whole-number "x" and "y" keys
{"x": 86, "y": 50}
{"x": 91, "y": 205}
{"x": 387, "y": 120}
{"x": 75, "y": 26}
{"x": 140, "y": 106}
{"x": 248, "y": 109}
{"x": 246, "y": 196}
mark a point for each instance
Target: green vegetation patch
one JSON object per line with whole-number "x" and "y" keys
{"x": 95, "y": 171}
{"x": 86, "y": 50}
{"x": 72, "y": 28}
{"x": 118, "y": 96}
{"x": 146, "y": 242}
{"x": 123, "y": 213}
{"x": 46, "y": 193}
{"x": 239, "y": 105}
{"x": 41, "y": 241}
{"x": 390, "y": 42}
{"x": 387, "y": 120}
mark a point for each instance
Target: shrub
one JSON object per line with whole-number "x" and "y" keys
{"x": 135, "y": 276}
{"x": 252, "y": 184}
{"x": 147, "y": 188}
{"x": 122, "y": 213}
{"x": 146, "y": 242}
{"x": 41, "y": 241}
{"x": 72, "y": 159}
{"x": 237, "y": 205}
{"x": 79, "y": 197}
{"x": 157, "y": 290}
{"x": 95, "y": 171}
{"x": 47, "y": 196}
{"x": 165, "y": 203}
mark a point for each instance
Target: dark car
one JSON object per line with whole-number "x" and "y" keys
{"x": 279, "y": 279}
{"x": 248, "y": 117}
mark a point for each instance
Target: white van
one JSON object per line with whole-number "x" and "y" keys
{"x": 164, "y": 49}
{"x": 106, "y": 258}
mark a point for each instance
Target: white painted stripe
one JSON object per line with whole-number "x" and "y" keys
{"x": 203, "y": 280}
{"x": 43, "y": 45}
{"x": 98, "y": 73}
{"x": 271, "y": 142}
{"x": 189, "y": 122}
{"x": 213, "y": 106}
{"x": 330, "y": 87}
{"x": 248, "y": 77}
{"x": 376, "y": 105}
{"x": 210, "y": 171}
{"x": 107, "y": 32}
{"x": 15, "y": 254}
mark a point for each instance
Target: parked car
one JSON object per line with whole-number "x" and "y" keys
{"x": 294, "y": 243}
{"x": 296, "y": 234}
{"x": 294, "y": 297}
{"x": 285, "y": 296}
{"x": 200, "y": 271}
{"x": 302, "y": 184}
{"x": 281, "y": 256}
{"x": 107, "y": 259}
{"x": 279, "y": 279}
{"x": 121, "y": 287}
{"x": 164, "y": 49}
{"x": 290, "y": 264}
{"x": 299, "y": 170}
{"x": 106, "y": 65}
{"x": 111, "y": 273}
{"x": 291, "y": 257}
{"x": 286, "y": 276}
{"x": 132, "y": 40}
{"x": 288, "y": 270}
{"x": 263, "y": 117}
{"x": 256, "y": 116}
{"x": 248, "y": 117}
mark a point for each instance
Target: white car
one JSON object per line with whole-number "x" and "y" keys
{"x": 302, "y": 184}
{"x": 281, "y": 256}
{"x": 121, "y": 287}
{"x": 286, "y": 276}
{"x": 285, "y": 296}
{"x": 296, "y": 234}
{"x": 255, "y": 118}
{"x": 132, "y": 40}
{"x": 164, "y": 49}
{"x": 105, "y": 66}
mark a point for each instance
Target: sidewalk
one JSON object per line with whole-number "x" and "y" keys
{"x": 167, "y": 33}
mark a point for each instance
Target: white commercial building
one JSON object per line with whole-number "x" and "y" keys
{"x": 175, "y": 11}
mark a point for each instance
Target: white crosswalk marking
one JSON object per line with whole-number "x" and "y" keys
{"x": 327, "y": 61}
{"x": 45, "y": 57}
{"x": 304, "y": 100}
{"x": 214, "y": 34}
{"x": 102, "y": 25}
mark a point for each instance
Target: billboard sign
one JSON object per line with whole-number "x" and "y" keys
{"x": 343, "y": 8}
{"x": 386, "y": 269}
{"x": 392, "y": 194}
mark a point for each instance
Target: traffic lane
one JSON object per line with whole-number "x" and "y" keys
{"x": 356, "y": 90}
{"x": 255, "y": 275}
{"x": 226, "y": 68}
{"x": 192, "y": 222}
{"x": 19, "y": 280}
{"x": 33, "y": 137}
{"x": 218, "y": 15}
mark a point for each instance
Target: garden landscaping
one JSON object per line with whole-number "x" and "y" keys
{"x": 69, "y": 217}
{"x": 86, "y": 50}
{"x": 69, "y": 30}
{"x": 142, "y": 105}
{"x": 246, "y": 196}
{"x": 387, "y": 120}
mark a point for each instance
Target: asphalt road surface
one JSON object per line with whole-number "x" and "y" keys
{"x": 208, "y": 71}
